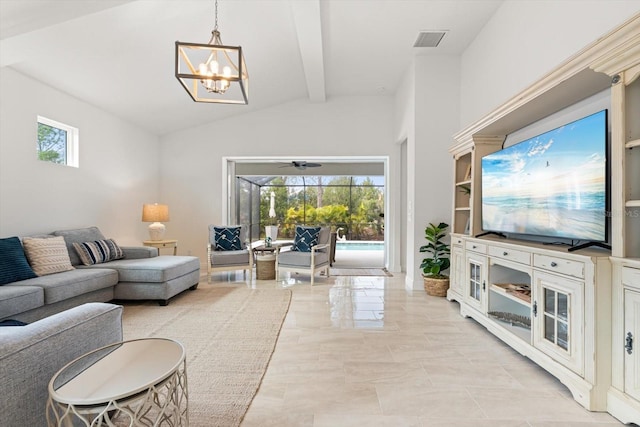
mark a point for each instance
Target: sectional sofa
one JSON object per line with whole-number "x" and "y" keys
{"x": 138, "y": 273}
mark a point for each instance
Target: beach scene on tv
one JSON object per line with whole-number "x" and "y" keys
{"x": 551, "y": 185}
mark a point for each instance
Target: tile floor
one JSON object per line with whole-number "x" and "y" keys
{"x": 363, "y": 351}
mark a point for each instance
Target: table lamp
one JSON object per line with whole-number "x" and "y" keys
{"x": 156, "y": 214}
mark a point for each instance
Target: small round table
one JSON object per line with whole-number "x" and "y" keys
{"x": 140, "y": 382}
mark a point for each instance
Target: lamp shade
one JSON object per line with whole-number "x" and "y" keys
{"x": 155, "y": 213}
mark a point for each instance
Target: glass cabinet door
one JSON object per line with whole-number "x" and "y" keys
{"x": 475, "y": 282}
{"x": 557, "y": 319}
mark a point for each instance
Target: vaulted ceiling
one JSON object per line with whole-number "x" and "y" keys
{"x": 118, "y": 55}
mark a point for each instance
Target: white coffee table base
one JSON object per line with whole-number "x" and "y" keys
{"x": 162, "y": 404}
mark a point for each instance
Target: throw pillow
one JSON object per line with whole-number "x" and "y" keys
{"x": 12, "y": 322}
{"x": 98, "y": 251}
{"x": 48, "y": 255}
{"x": 305, "y": 239}
{"x": 227, "y": 238}
{"x": 13, "y": 263}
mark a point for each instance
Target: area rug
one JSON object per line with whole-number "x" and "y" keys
{"x": 360, "y": 272}
{"x": 229, "y": 334}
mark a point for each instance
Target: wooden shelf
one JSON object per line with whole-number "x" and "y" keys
{"x": 509, "y": 295}
{"x": 467, "y": 182}
{"x": 463, "y": 208}
{"x": 634, "y": 143}
{"x": 633, "y": 204}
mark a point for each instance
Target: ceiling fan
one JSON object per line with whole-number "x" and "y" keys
{"x": 301, "y": 165}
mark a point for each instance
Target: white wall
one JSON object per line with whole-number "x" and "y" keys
{"x": 526, "y": 39}
{"x": 118, "y": 166}
{"x": 192, "y": 175}
{"x": 431, "y": 91}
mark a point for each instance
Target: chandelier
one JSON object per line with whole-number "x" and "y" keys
{"x": 213, "y": 72}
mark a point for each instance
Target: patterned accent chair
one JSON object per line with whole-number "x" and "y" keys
{"x": 231, "y": 259}
{"x": 316, "y": 260}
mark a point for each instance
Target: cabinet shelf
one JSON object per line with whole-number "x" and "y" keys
{"x": 467, "y": 182}
{"x": 632, "y": 204}
{"x": 463, "y": 208}
{"x": 634, "y": 143}
{"x": 518, "y": 331}
{"x": 510, "y": 295}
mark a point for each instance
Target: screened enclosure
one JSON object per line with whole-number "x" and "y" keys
{"x": 353, "y": 206}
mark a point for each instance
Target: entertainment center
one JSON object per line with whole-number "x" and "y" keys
{"x": 573, "y": 311}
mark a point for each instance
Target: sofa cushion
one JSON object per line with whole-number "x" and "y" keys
{"x": 47, "y": 256}
{"x": 152, "y": 270}
{"x": 220, "y": 258}
{"x": 18, "y": 298}
{"x": 13, "y": 262}
{"x": 227, "y": 238}
{"x": 305, "y": 239}
{"x": 98, "y": 252}
{"x": 68, "y": 284}
{"x": 302, "y": 259}
{"x": 79, "y": 235}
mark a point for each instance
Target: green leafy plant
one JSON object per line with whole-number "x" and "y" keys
{"x": 439, "y": 251}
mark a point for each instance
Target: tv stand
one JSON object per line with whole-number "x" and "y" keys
{"x": 589, "y": 244}
{"x": 487, "y": 233}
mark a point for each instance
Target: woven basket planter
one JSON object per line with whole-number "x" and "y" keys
{"x": 436, "y": 287}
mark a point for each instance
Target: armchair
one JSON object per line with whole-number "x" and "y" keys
{"x": 225, "y": 254}
{"x": 317, "y": 259}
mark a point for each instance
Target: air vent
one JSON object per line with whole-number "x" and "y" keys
{"x": 429, "y": 38}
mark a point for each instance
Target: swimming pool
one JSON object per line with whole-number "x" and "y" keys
{"x": 359, "y": 246}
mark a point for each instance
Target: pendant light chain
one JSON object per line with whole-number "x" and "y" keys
{"x": 215, "y": 28}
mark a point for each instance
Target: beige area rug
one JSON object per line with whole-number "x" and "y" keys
{"x": 360, "y": 272}
{"x": 229, "y": 335}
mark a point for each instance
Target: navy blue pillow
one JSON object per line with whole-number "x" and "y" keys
{"x": 227, "y": 238}
{"x": 13, "y": 263}
{"x": 306, "y": 238}
{"x": 12, "y": 322}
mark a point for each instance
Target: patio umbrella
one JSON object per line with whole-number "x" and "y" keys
{"x": 272, "y": 208}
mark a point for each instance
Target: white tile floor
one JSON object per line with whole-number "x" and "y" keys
{"x": 363, "y": 351}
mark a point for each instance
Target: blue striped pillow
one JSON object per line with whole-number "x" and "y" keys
{"x": 13, "y": 262}
{"x": 98, "y": 251}
{"x": 306, "y": 238}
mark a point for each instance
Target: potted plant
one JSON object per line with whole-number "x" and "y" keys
{"x": 435, "y": 283}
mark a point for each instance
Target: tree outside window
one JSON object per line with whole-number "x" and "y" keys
{"x": 57, "y": 142}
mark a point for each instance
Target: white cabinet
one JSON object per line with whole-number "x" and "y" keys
{"x": 632, "y": 344}
{"x": 550, "y": 305}
{"x": 623, "y": 398}
{"x": 557, "y": 311}
{"x": 584, "y": 307}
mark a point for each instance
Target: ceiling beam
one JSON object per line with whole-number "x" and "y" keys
{"x": 306, "y": 15}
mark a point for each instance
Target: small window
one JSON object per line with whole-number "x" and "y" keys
{"x": 57, "y": 142}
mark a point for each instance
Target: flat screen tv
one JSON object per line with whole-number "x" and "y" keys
{"x": 552, "y": 185}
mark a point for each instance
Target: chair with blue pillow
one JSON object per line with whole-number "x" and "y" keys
{"x": 228, "y": 250}
{"x": 308, "y": 254}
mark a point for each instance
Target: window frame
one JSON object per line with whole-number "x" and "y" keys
{"x": 73, "y": 137}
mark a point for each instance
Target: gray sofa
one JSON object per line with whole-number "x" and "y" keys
{"x": 30, "y": 355}
{"x": 140, "y": 275}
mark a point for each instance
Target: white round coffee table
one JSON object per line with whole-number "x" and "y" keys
{"x": 135, "y": 383}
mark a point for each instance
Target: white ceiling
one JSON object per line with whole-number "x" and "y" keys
{"x": 119, "y": 55}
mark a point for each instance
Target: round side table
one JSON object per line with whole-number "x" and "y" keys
{"x": 138, "y": 382}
